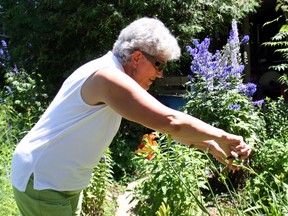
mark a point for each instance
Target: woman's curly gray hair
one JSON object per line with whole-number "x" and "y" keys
{"x": 148, "y": 35}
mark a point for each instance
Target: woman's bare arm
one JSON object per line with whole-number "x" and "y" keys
{"x": 126, "y": 97}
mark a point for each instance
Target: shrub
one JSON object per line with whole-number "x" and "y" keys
{"x": 219, "y": 95}
{"x": 220, "y": 98}
{"x": 276, "y": 119}
{"x": 174, "y": 178}
{"x": 267, "y": 187}
{"x": 98, "y": 197}
{"x": 124, "y": 168}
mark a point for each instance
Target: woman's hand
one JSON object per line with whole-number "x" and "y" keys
{"x": 231, "y": 147}
{"x": 227, "y": 152}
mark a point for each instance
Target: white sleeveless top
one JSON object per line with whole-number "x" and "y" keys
{"x": 68, "y": 141}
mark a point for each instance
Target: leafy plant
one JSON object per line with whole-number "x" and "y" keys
{"x": 221, "y": 98}
{"x": 163, "y": 210}
{"x": 98, "y": 197}
{"x": 268, "y": 184}
{"x": 20, "y": 105}
{"x": 276, "y": 119}
{"x": 280, "y": 40}
{"x": 8, "y": 204}
{"x": 219, "y": 95}
{"x": 124, "y": 168}
{"x": 23, "y": 96}
{"x": 174, "y": 176}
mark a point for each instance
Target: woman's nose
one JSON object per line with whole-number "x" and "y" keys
{"x": 159, "y": 74}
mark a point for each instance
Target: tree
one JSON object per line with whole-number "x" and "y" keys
{"x": 57, "y": 36}
{"x": 280, "y": 40}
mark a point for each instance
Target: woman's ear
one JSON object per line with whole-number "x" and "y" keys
{"x": 135, "y": 57}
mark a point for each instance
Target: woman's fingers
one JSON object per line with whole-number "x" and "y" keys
{"x": 228, "y": 155}
{"x": 228, "y": 163}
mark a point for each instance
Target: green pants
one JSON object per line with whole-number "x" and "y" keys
{"x": 48, "y": 202}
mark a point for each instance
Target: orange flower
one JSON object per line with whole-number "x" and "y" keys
{"x": 147, "y": 146}
{"x": 150, "y": 156}
{"x": 141, "y": 146}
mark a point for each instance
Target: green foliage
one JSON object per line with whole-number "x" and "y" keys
{"x": 98, "y": 197}
{"x": 59, "y": 36}
{"x": 272, "y": 157}
{"x": 276, "y": 119}
{"x": 23, "y": 101}
{"x": 284, "y": 80}
{"x": 174, "y": 177}
{"x": 163, "y": 210}
{"x": 8, "y": 204}
{"x": 268, "y": 187}
{"x": 279, "y": 41}
{"x": 125, "y": 142}
{"x": 214, "y": 109}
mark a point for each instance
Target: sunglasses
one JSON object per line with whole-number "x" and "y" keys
{"x": 159, "y": 65}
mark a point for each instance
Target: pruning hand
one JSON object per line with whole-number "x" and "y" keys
{"x": 231, "y": 151}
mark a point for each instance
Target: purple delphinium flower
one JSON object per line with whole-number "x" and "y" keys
{"x": 245, "y": 39}
{"x": 202, "y": 59}
{"x": 196, "y": 42}
{"x": 2, "y": 57}
{"x": 4, "y": 54}
{"x": 258, "y": 103}
{"x": 191, "y": 51}
{"x": 221, "y": 70}
{"x": 239, "y": 69}
{"x": 4, "y": 44}
{"x": 233, "y": 37}
{"x": 234, "y": 106}
{"x": 248, "y": 89}
{"x": 234, "y": 44}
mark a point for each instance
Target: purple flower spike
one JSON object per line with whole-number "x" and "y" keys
{"x": 4, "y": 44}
{"x": 250, "y": 89}
{"x": 245, "y": 39}
{"x": 234, "y": 106}
{"x": 258, "y": 103}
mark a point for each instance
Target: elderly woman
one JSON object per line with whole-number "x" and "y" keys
{"x": 54, "y": 161}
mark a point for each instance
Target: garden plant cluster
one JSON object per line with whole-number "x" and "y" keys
{"x": 185, "y": 181}
{"x": 175, "y": 179}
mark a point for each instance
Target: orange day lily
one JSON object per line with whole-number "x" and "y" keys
{"x": 147, "y": 146}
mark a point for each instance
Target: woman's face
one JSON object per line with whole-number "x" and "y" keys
{"x": 148, "y": 69}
